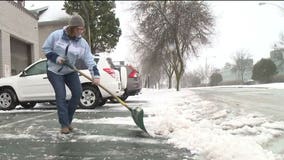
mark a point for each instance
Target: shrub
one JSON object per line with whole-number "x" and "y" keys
{"x": 195, "y": 81}
{"x": 264, "y": 70}
{"x": 215, "y": 78}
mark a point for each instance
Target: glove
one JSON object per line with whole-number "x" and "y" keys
{"x": 60, "y": 60}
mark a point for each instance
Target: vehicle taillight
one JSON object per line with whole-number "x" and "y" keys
{"x": 110, "y": 71}
{"x": 133, "y": 74}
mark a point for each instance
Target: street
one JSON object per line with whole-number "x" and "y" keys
{"x": 266, "y": 101}
{"x": 103, "y": 133}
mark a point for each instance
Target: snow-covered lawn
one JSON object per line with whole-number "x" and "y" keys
{"x": 211, "y": 131}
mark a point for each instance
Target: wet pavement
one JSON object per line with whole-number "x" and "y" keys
{"x": 104, "y": 133}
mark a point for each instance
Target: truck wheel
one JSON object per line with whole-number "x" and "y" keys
{"x": 28, "y": 105}
{"x": 8, "y": 99}
{"x": 122, "y": 97}
{"x": 102, "y": 102}
{"x": 90, "y": 97}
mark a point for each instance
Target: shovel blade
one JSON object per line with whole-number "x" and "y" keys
{"x": 137, "y": 115}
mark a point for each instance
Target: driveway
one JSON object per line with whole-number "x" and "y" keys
{"x": 103, "y": 133}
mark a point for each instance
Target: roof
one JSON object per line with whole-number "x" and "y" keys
{"x": 48, "y": 10}
{"x": 22, "y": 9}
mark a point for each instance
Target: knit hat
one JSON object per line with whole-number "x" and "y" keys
{"x": 76, "y": 20}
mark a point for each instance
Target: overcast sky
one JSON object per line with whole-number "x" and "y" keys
{"x": 244, "y": 25}
{"x": 239, "y": 25}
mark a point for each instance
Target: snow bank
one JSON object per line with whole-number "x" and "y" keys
{"x": 210, "y": 130}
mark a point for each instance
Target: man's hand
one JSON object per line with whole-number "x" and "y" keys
{"x": 96, "y": 81}
{"x": 60, "y": 60}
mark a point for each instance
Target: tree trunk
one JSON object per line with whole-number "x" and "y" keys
{"x": 178, "y": 82}
{"x": 170, "y": 82}
{"x": 148, "y": 80}
{"x": 87, "y": 23}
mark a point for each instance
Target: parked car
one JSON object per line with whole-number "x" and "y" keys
{"x": 250, "y": 82}
{"x": 133, "y": 80}
{"x": 31, "y": 86}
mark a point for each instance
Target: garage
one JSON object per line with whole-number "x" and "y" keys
{"x": 20, "y": 55}
{"x": 18, "y": 38}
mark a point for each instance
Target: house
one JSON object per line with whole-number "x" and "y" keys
{"x": 18, "y": 37}
{"x": 276, "y": 56}
{"x": 51, "y": 17}
{"x": 230, "y": 76}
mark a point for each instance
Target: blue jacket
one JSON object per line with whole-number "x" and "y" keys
{"x": 55, "y": 45}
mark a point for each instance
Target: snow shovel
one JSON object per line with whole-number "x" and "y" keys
{"x": 137, "y": 112}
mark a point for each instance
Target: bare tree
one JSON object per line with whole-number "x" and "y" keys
{"x": 174, "y": 29}
{"x": 190, "y": 79}
{"x": 242, "y": 63}
{"x": 169, "y": 71}
{"x": 203, "y": 72}
{"x": 150, "y": 61}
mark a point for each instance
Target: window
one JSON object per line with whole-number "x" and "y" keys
{"x": 109, "y": 60}
{"x": 39, "y": 68}
{"x": 80, "y": 64}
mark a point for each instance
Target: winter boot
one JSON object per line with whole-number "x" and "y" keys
{"x": 65, "y": 130}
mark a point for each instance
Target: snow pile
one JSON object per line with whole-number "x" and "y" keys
{"x": 210, "y": 130}
{"x": 53, "y": 13}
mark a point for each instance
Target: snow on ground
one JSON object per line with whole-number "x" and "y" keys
{"x": 268, "y": 85}
{"x": 211, "y": 131}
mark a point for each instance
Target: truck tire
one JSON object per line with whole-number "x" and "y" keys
{"x": 8, "y": 99}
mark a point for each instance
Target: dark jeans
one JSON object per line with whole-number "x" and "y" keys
{"x": 66, "y": 109}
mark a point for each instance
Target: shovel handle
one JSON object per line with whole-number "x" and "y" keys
{"x": 89, "y": 78}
